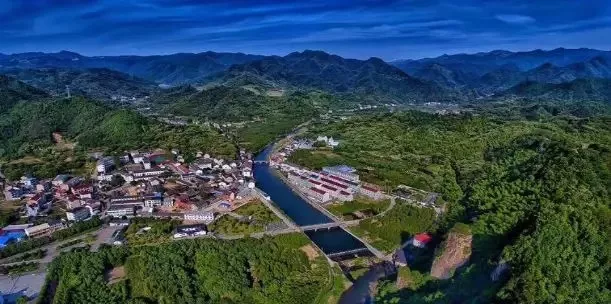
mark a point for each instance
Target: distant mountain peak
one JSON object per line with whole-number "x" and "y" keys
{"x": 376, "y": 60}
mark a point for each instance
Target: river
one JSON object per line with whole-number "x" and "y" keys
{"x": 300, "y": 211}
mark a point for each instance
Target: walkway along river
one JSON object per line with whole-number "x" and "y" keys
{"x": 302, "y": 213}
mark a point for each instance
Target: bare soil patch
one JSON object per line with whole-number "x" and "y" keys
{"x": 115, "y": 275}
{"x": 310, "y": 251}
{"x": 61, "y": 143}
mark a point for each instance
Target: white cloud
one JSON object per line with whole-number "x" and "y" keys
{"x": 515, "y": 19}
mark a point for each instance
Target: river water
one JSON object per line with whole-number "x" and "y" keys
{"x": 300, "y": 211}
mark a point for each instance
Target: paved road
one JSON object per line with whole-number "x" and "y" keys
{"x": 51, "y": 248}
{"x": 104, "y": 236}
{"x": 13, "y": 287}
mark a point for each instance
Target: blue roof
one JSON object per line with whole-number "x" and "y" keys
{"x": 343, "y": 169}
{"x": 5, "y": 240}
{"x": 15, "y": 234}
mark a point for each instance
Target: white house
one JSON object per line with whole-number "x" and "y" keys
{"x": 207, "y": 217}
{"x": 105, "y": 164}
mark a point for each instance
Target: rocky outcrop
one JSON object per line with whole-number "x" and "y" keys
{"x": 453, "y": 253}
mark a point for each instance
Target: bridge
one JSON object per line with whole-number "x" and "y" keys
{"x": 261, "y": 162}
{"x": 354, "y": 252}
{"x": 329, "y": 225}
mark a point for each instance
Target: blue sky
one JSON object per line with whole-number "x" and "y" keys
{"x": 357, "y": 29}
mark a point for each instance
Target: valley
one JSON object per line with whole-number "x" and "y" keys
{"x": 466, "y": 166}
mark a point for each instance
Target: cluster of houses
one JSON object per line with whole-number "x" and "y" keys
{"x": 339, "y": 183}
{"x": 153, "y": 184}
{"x": 39, "y": 196}
{"x": 306, "y": 144}
{"x": 168, "y": 186}
{"x": 329, "y": 141}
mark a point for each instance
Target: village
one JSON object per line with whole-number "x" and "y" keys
{"x": 143, "y": 184}
{"x": 156, "y": 196}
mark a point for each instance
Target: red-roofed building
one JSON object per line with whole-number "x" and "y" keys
{"x": 344, "y": 196}
{"x": 334, "y": 183}
{"x": 371, "y": 192}
{"x": 329, "y": 187}
{"x": 319, "y": 195}
{"x": 38, "y": 199}
{"x": 84, "y": 191}
{"x": 420, "y": 240}
{"x": 343, "y": 180}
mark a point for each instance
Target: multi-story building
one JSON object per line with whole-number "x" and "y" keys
{"x": 105, "y": 164}
{"x": 60, "y": 179}
{"x": 84, "y": 191}
{"x": 153, "y": 201}
{"x": 120, "y": 210}
{"x": 124, "y": 198}
{"x": 38, "y": 199}
{"x": 318, "y": 194}
{"x": 147, "y": 173}
{"x": 43, "y": 229}
{"x": 78, "y": 214}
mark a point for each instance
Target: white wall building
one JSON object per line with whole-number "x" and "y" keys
{"x": 207, "y": 217}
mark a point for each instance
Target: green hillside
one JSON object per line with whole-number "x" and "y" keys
{"x": 535, "y": 194}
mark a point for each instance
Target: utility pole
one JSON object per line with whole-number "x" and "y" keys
{"x": 68, "y": 91}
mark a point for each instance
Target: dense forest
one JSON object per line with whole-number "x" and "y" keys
{"x": 534, "y": 193}
{"x": 270, "y": 270}
{"x": 26, "y": 130}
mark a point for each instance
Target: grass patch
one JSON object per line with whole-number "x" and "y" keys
{"x": 32, "y": 255}
{"x": 258, "y": 212}
{"x": 17, "y": 269}
{"x": 388, "y": 232}
{"x": 231, "y": 225}
{"x": 364, "y": 206}
{"x": 70, "y": 243}
{"x": 148, "y": 230}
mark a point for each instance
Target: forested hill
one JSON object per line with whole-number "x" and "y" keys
{"x": 165, "y": 69}
{"x": 535, "y": 194}
{"x": 580, "y": 90}
{"x": 369, "y": 80}
{"x": 28, "y": 117}
{"x": 98, "y": 83}
{"x": 12, "y": 91}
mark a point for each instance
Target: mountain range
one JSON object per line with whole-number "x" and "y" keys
{"x": 371, "y": 79}
{"x": 98, "y": 83}
{"x": 496, "y": 71}
{"x": 448, "y": 78}
{"x": 163, "y": 69}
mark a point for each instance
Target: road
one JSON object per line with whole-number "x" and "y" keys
{"x": 51, "y": 248}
